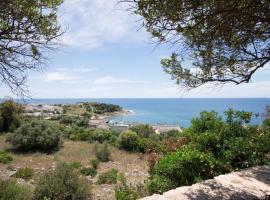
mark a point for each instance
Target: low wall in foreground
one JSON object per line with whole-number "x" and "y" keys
{"x": 248, "y": 184}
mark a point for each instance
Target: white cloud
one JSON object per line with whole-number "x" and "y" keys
{"x": 108, "y": 80}
{"x": 94, "y": 23}
{"x": 58, "y": 76}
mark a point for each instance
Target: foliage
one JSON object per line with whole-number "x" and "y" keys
{"x": 226, "y": 40}
{"x": 125, "y": 192}
{"x": 5, "y": 158}
{"x": 102, "y": 152}
{"x": 104, "y": 135}
{"x": 36, "y": 135}
{"x": 211, "y": 146}
{"x": 28, "y": 29}
{"x": 62, "y": 183}
{"x": 9, "y": 189}
{"x": 173, "y": 144}
{"x": 10, "y": 115}
{"x": 145, "y": 145}
{"x": 143, "y": 130}
{"x": 159, "y": 184}
{"x": 25, "y": 173}
{"x": 184, "y": 167}
{"x": 100, "y": 108}
{"x": 128, "y": 140}
{"x": 109, "y": 177}
{"x": 88, "y": 171}
{"x": 76, "y": 133}
{"x": 74, "y": 121}
{"x": 95, "y": 163}
{"x": 207, "y": 121}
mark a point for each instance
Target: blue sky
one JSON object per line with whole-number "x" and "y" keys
{"x": 103, "y": 55}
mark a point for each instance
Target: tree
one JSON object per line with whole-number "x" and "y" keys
{"x": 226, "y": 40}
{"x": 28, "y": 29}
{"x": 10, "y": 115}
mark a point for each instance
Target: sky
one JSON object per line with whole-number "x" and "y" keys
{"x": 106, "y": 54}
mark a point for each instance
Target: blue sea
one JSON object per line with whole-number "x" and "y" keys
{"x": 171, "y": 111}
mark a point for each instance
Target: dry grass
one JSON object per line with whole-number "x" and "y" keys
{"x": 132, "y": 165}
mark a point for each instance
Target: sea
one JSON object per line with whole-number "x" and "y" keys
{"x": 172, "y": 111}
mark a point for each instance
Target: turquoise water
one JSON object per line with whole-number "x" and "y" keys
{"x": 171, "y": 111}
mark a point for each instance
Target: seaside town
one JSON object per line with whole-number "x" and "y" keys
{"x": 103, "y": 121}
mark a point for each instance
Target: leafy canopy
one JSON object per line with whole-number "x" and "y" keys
{"x": 28, "y": 29}
{"x": 226, "y": 40}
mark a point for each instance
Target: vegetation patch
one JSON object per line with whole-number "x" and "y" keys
{"x": 109, "y": 177}
{"x": 10, "y": 190}
{"x": 36, "y": 135}
{"x": 88, "y": 171}
{"x": 25, "y": 173}
{"x": 62, "y": 183}
{"x": 102, "y": 152}
{"x": 5, "y": 157}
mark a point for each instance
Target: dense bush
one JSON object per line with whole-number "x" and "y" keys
{"x": 10, "y": 190}
{"x": 211, "y": 146}
{"x": 109, "y": 177}
{"x": 104, "y": 135}
{"x": 102, "y": 152}
{"x": 143, "y": 130}
{"x": 25, "y": 173}
{"x": 36, "y": 135}
{"x": 129, "y": 140}
{"x": 184, "y": 167}
{"x": 10, "y": 115}
{"x": 76, "y": 133}
{"x": 88, "y": 171}
{"x": 208, "y": 121}
{"x": 63, "y": 183}
{"x": 148, "y": 145}
{"x": 5, "y": 157}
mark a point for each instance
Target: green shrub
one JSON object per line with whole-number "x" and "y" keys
{"x": 102, "y": 152}
{"x": 88, "y": 171}
{"x": 95, "y": 163}
{"x": 148, "y": 145}
{"x": 62, "y": 183}
{"x": 5, "y": 158}
{"x": 208, "y": 121}
{"x": 77, "y": 133}
{"x": 242, "y": 153}
{"x": 36, "y": 135}
{"x": 104, "y": 135}
{"x": 143, "y": 130}
{"x": 125, "y": 192}
{"x": 184, "y": 167}
{"x": 109, "y": 177}
{"x": 128, "y": 140}
{"x": 10, "y": 190}
{"x": 159, "y": 184}
{"x": 11, "y": 115}
{"x": 209, "y": 142}
{"x": 25, "y": 173}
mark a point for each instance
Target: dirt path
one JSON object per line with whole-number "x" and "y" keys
{"x": 249, "y": 184}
